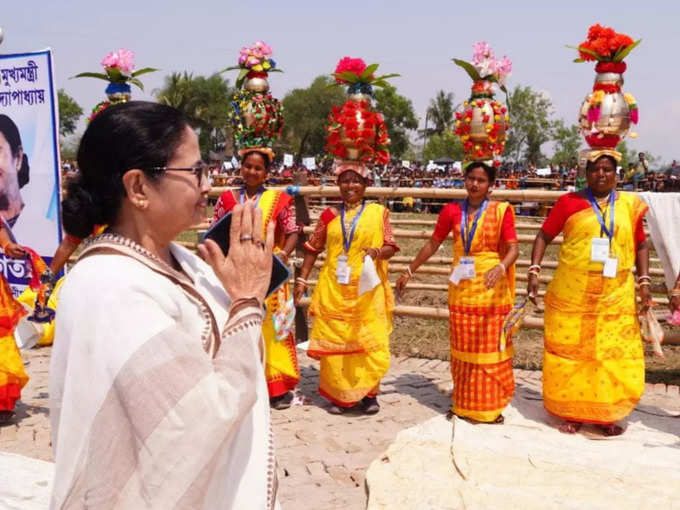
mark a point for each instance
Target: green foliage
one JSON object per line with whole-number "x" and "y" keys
{"x": 440, "y": 113}
{"x": 69, "y": 113}
{"x": 306, "y": 113}
{"x": 205, "y": 101}
{"x": 628, "y": 155}
{"x": 530, "y": 125}
{"x": 399, "y": 118}
{"x": 445, "y": 144}
{"x": 115, "y": 75}
{"x": 567, "y": 143}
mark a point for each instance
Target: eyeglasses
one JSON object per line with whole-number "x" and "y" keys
{"x": 200, "y": 171}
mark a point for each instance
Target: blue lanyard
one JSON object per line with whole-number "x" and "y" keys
{"x": 347, "y": 241}
{"x": 259, "y": 195}
{"x": 465, "y": 236}
{"x": 598, "y": 213}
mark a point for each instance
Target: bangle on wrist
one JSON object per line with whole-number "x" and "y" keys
{"x": 409, "y": 272}
{"x": 675, "y": 293}
{"x": 644, "y": 284}
{"x": 502, "y": 266}
{"x": 534, "y": 268}
{"x": 301, "y": 280}
{"x": 644, "y": 277}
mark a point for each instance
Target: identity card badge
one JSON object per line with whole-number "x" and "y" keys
{"x": 342, "y": 270}
{"x": 610, "y": 267}
{"x": 599, "y": 249}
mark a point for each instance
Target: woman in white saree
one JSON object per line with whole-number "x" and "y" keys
{"x": 157, "y": 389}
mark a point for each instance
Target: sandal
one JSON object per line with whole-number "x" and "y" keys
{"x": 282, "y": 401}
{"x": 335, "y": 409}
{"x": 370, "y": 405}
{"x": 611, "y": 430}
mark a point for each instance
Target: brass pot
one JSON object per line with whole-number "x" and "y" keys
{"x": 614, "y": 113}
{"x": 119, "y": 97}
{"x": 353, "y": 150}
{"x": 359, "y": 97}
{"x": 256, "y": 84}
{"x": 478, "y": 126}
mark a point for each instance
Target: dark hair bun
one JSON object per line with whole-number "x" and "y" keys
{"x": 80, "y": 213}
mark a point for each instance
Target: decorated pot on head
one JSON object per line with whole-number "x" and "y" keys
{"x": 607, "y": 113}
{"x": 356, "y": 134}
{"x": 256, "y": 116}
{"x": 119, "y": 71}
{"x": 484, "y": 122}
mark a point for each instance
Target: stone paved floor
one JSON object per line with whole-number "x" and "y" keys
{"x": 322, "y": 458}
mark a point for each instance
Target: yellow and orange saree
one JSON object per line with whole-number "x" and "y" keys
{"x": 483, "y": 381}
{"x": 593, "y": 366}
{"x": 351, "y": 333}
{"x": 281, "y": 366}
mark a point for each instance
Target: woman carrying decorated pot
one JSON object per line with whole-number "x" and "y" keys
{"x": 352, "y": 302}
{"x": 481, "y": 294}
{"x": 351, "y": 329}
{"x": 482, "y": 283}
{"x": 593, "y": 365}
{"x": 257, "y": 121}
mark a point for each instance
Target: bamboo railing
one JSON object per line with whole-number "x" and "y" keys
{"x": 440, "y": 265}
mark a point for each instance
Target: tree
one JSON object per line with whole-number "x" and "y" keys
{"x": 530, "y": 125}
{"x": 446, "y": 144}
{"x": 205, "y": 101}
{"x": 306, "y": 114}
{"x": 399, "y": 118}
{"x": 69, "y": 113}
{"x": 440, "y": 113}
{"x": 567, "y": 143}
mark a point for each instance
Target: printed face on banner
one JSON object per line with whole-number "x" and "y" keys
{"x": 29, "y": 160}
{"x": 12, "y": 161}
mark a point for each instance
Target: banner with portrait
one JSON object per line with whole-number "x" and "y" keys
{"x": 29, "y": 160}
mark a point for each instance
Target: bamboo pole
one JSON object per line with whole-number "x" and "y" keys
{"x": 436, "y": 193}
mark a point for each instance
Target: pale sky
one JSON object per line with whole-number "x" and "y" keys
{"x": 415, "y": 39}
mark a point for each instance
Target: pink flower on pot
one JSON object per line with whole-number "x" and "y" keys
{"x": 122, "y": 59}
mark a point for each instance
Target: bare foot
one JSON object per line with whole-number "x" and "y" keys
{"x": 570, "y": 427}
{"x": 611, "y": 430}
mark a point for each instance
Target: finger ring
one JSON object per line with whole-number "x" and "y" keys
{"x": 245, "y": 237}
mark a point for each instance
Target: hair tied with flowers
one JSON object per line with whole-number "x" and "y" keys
{"x": 120, "y": 72}
{"x": 252, "y": 60}
{"x": 359, "y": 77}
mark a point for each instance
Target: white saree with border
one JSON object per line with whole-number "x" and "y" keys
{"x": 157, "y": 397}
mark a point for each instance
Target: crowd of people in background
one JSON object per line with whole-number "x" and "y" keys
{"x": 638, "y": 176}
